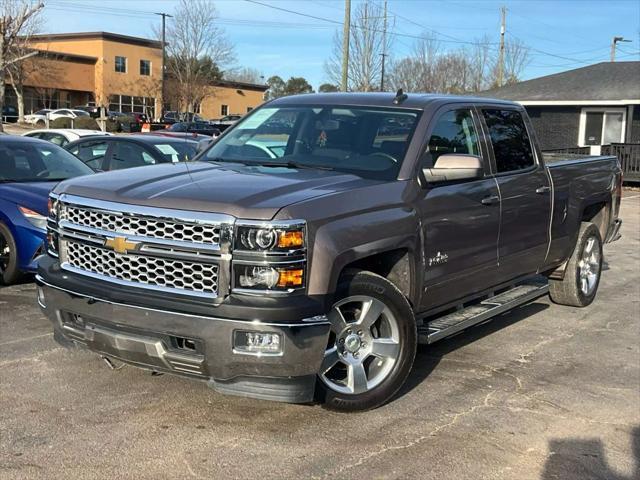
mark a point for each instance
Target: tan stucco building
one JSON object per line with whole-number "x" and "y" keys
{"x": 118, "y": 71}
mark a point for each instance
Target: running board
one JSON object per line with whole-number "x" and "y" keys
{"x": 483, "y": 311}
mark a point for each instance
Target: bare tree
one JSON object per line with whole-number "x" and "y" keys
{"x": 366, "y": 45}
{"x": 516, "y": 59}
{"x": 19, "y": 20}
{"x": 244, "y": 74}
{"x": 466, "y": 70}
{"x": 196, "y": 49}
{"x": 416, "y": 73}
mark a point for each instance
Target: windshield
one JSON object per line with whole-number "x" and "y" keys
{"x": 177, "y": 151}
{"x": 36, "y": 162}
{"x": 366, "y": 141}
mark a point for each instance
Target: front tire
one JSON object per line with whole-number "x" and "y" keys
{"x": 371, "y": 347}
{"x": 579, "y": 286}
{"x": 9, "y": 272}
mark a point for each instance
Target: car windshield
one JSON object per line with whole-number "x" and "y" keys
{"x": 366, "y": 141}
{"x": 38, "y": 162}
{"x": 177, "y": 151}
{"x": 42, "y": 112}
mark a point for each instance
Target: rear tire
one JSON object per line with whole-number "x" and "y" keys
{"x": 371, "y": 347}
{"x": 582, "y": 275}
{"x": 9, "y": 272}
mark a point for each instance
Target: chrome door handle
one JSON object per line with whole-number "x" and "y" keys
{"x": 543, "y": 189}
{"x": 490, "y": 200}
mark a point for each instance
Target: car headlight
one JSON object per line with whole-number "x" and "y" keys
{"x": 270, "y": 238}
{"x": 34, "y": 218}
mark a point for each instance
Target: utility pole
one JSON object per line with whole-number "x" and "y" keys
{"x": 345, "y": 44}
{"x": 503, "y": 27}
{"x": 164, "y": 60}
{"x": 384, "y": 46}
{"x": 613, "y": 46}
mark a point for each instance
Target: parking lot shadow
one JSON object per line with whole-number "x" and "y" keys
{"x": 429, "y": 356}
{"x": 574, "y": 458}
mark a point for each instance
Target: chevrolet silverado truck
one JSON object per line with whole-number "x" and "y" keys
{"x": 306, "y": 252}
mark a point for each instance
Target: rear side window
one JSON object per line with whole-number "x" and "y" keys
{"x": 129, "y": 155}
{"x": 91, "y": 153}
{"x": 453, "y": 133}
{"x": 510, "y": 141}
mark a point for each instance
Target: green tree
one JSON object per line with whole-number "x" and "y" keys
{"x": 328, "y": 87}
{"x": 276, "y": 87}
{"x": 297, "y": 85}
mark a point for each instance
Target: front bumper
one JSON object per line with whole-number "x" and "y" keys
{"x": 144, "y": 337}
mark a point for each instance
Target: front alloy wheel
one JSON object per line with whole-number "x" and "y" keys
{"x": 371, "y": 344}
{"x": 365, "y": 345}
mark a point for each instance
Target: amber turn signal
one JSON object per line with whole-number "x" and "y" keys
{"x": 290, "y": 278}
{"x": 291, "y": 239}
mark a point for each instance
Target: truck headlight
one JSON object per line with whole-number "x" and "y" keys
{"x": 265, "y": 277}
{"x": 269, "y": 238}
{"x": 52, "y": 208}
{"x": 34, "y": 218}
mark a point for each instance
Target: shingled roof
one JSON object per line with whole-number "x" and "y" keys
{"x": 602, "y": 82}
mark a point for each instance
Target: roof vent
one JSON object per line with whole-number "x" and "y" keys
{"x": 400, "y": 97}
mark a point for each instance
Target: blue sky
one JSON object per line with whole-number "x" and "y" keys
{"x": 563, "y": 34}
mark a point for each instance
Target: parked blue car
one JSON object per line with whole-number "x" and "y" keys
{"x": 29, "y": 169}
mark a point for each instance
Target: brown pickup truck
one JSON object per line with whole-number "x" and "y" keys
{"x": 310, "y": 248}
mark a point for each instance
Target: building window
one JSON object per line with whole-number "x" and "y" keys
{"x": 128, "y": 104}
{"x": 602, "y": 126}
{"x": 224, "y": 110}
{"x": 145, "y": 67}
{"x": 121, "y": 64}
{"x": 249, "y": 109}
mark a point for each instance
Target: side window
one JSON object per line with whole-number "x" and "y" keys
{"x": 128, "y": 155}
{"x": 91, "y": 153}
{"x": 510, "y": 141}
{"x": 454, "y": 132}
{"x": 57, "y": 139}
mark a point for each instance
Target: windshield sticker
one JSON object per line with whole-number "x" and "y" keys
{"x": 258, "y": 118}
{"x": 167, "y": 149}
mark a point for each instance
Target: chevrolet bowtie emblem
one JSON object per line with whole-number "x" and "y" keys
{"x": 120, "y": 244}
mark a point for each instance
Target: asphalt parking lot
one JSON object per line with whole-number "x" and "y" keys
{"x": 544, "y": 392}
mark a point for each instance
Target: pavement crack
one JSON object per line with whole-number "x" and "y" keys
{"x": 434, "y": 432}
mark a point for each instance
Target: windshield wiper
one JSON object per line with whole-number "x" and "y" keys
{"x": 290, "y": 164}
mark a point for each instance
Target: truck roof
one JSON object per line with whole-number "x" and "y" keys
{"x": 381, "y": 99}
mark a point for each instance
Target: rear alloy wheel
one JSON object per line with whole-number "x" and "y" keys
{"x": 371, "y": 345}
{"x": 582, "y": 275}
{"x": 9, "y": 272}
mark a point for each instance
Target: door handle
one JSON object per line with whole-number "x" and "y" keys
{"x": 543, "y": 189}
{"x": 490, "y": 200}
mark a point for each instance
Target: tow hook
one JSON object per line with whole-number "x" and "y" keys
{"x": 110, "y": 364}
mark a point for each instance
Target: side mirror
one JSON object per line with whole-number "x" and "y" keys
{"x": 454, "y": 167}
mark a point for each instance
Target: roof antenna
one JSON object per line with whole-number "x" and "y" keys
{"x": 400, "y": 97}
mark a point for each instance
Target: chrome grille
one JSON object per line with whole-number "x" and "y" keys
{"x": 162, "y": 273}
{"x": 141, "y": 226}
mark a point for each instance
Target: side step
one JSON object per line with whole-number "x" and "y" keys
{"x": 455, "y": 322}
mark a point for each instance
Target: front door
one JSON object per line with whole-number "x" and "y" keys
{"x": 460, "y": 221}
{"x": 525, "y": 193}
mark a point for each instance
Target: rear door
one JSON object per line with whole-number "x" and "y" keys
{"x": 460, "y": 220}
{"x": 525, "y": 192}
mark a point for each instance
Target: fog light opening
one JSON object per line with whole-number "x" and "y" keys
{"x": 257, "y": 343}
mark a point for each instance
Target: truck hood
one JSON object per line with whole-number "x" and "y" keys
{"x": 248, "y": 192}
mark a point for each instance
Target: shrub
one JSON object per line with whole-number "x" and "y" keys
{"x": 61, "y": 122}
{"x": 86, "y": 123}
